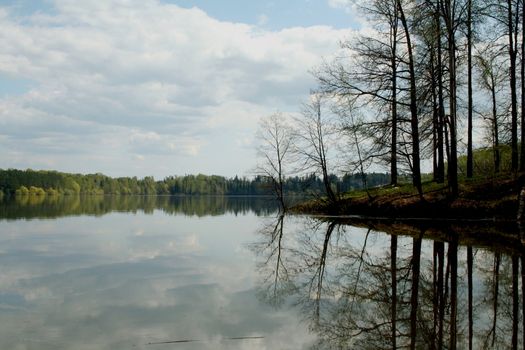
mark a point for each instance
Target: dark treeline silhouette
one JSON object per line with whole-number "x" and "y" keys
{"x": 27, "y": 182}
{"x": 417, "y": 286}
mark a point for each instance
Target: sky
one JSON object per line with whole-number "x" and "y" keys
{"x": 155, "y": 88}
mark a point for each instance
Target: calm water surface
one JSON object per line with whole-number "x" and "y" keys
{"x": 228, "y": 273}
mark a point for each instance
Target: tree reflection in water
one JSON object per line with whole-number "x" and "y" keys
{"x": 29, "y": 207}
{"x": 392, "y": 286}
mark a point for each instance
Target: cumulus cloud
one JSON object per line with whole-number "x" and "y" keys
{"x": 146, "y": 75}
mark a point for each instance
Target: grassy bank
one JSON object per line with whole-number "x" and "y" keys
{"x": 478, "y": 198}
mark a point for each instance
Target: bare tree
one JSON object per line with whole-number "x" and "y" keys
{"x": 492, "y": 75}
{"x": 430, "y": 83}
{"x": 354, "y": 126}
{"x": 370, "y": 77}
{"x": 470, "y": 156}
{"x": 313, "y": 134}
{"x": 506, "y": 14}
{"x": 414, "y": 121}
{"x": 522, "y": 153}
{"x": 474, "y": 18}
{"x": 275, "y": 152}
{"x": 451, "y": 14}
{"x": 512, "y": 25}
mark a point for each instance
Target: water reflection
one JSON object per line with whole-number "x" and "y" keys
{"x": 373, "y": 285}
{"x": 59, "y": 206}
{"x": 144, "y": 275}
{"x": 126, "y": 281}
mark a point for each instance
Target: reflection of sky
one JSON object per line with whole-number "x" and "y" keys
{"x": 122, "y": 281}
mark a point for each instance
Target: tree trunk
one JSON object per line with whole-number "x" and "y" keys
{"x": 414, "y": 122}
{"x": 470, "y": 160}
{"x": 453, "y": 160}
{"x": 495, "y": 129}
{"x": 437, "y": 147}
{"x": 441, "y": 105}
{"x": 513, "y": 96}
{"x": 522, "y": 154}
{"x": 393, "y": 147}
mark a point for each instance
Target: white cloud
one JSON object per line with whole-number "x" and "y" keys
{"x": 145, "y": 76}
{"x": 344, "y": 4}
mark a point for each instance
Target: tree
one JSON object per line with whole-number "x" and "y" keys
{"x": 414, "y": 121}
{"x": 313, "y": 134}
{"x": 522, "y": 160}
{"x": 353, "y": 125}
{"x": 451, "y": 16}
{"x": 370, "y": 79}
{"x": 275, "y": 152}
{"x": 512, "y": 24}
{"x": 475, "y": 16}
{"x": 492, "y": 75}
{"x": 469, "y": 90}
{"x": 430, "y": 82}
{"x": 506, "y": 15}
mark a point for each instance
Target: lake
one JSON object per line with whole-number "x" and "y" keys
{"x": 136, "y": 272}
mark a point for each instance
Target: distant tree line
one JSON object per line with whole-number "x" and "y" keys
{"x": 42, "y": 182}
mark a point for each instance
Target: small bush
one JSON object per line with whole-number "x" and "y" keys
{"x": 22, "y": 191}
{"x": 36, "y": 191}
{"x": 52, "y": 192}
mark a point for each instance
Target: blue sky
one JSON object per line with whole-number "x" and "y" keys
{"x": 275, "y": 14}
{"x": 269, "y": 14}
{"x": 144, "y": 87}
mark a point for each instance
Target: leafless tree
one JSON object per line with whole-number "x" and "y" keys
{"x": 414, "y": 121}
{"x": 314, "y": 134}
{"x": 492, "y": 75}
{"x": 370, "y": 77}
{"x": 506, "y": 15}
{"x": 275, "y": 152}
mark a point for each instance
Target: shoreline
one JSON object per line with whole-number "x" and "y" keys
{"x": 492, "y": 200}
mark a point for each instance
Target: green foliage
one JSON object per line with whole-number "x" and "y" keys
{"x": 36, "y": 191}
{"x": 52, "y": 192}
{"x": 483, "y": 161}
{"x": 38, "y": 183}
{"x": 71, "y": 186}
{"x": 22, "y": 191}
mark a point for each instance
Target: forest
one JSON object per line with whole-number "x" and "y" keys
{"x": 426, "y": 83}
{"x": 41, "y": 182}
